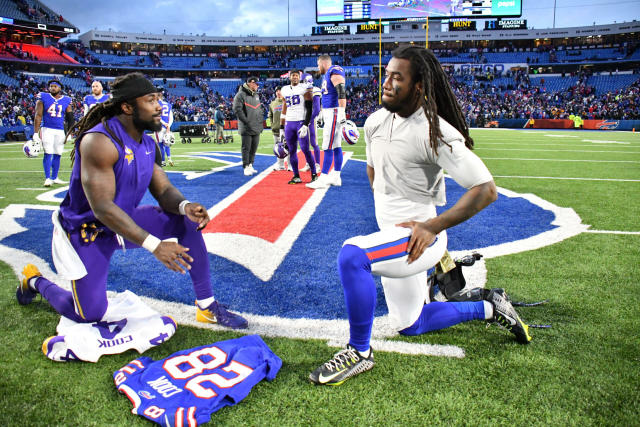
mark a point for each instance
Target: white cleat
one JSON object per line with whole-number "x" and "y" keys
{"x": 323, "y": 181}
{"x": 247, "y": 171}
{"x": 59, "y": 181}
{"x": 305, "y": 168}
{"x": 335, "y": 180}
{"x": 48, "y": 182}
{"x": 253, "y": 171}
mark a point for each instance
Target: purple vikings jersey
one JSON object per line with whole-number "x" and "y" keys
{"x": 132, "y": 171}
{"x": 91, "y": 100}
{"x": 329, "y": 93}
{"x": 187, "y": 387}
{"x": 166, "y": 112}
{"x": 53, "y": 110}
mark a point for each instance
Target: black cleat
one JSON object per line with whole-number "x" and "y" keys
{"x": 506, "y": 316}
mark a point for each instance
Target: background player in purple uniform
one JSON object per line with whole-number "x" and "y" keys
{"x": 95, "y": 97}
{"x": 52, "y": 110}
{"x": 315, "y": 115}
{"x": 114, "y": 165}
{"x": 334, "y": 102}
{"x": 296, "y": 111}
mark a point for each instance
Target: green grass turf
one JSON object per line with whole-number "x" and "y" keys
{"x": 583, "y": 371}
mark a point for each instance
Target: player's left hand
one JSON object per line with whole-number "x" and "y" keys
{"x": 197, "y": 213}
{"x": 421, "y": 238}
{"x": 303, "y": 131}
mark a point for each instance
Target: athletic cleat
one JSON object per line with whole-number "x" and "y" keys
{"x": 48, "y": 182}
{"x": 506, "y": 316}
{"x": 218, "y": 313}
{"x": 314, "y": 177}
{"x": 345, "y": 364}
{"x": 295, "y": 180}
{"x": 335, "y": 179}
{"x": 305, "y": 168}
{"x": 24, "y": 293}
{"x": 279, "y": 168}
{"x": 252, "y": 169}
{"x": 247, "y": 171}
{"x": 322, "y": 182}
{"x": 59, "y": 181}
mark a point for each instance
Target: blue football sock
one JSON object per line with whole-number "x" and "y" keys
{"x": 328, "y": 160}
{"x": 359, "y": 293}
{"x": 47, "y": 159}
{"x": 162, "y": 153}
{"x": 337, "y": 159}
{"x": 55, "y": 166}
{"x": 439, "y": 315}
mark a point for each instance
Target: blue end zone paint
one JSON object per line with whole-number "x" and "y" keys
{"x": 306, "y": 284}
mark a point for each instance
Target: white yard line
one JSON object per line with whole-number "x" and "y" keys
{"x": 564, "y": 151}
{"x": 634, "y": 233}
{"x": 567, "y": 178}
{"x": 561, "y": 160}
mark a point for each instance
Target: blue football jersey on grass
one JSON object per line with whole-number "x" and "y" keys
{"x": 187, "y": 387}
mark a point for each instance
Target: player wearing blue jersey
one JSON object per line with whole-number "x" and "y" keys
{"x": 164, "y": 137}
{"x": 187, "y": 387}
{"x": 420, "y": 132}
{"x": 95, "y": 97}
{"x": 114, "y": 165}
{"x": 334, "y": 102}
{"x": 52, "y": 110}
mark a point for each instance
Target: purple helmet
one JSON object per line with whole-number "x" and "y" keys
{"x": 280, "y": 150}
{"x": 307, "y": 78}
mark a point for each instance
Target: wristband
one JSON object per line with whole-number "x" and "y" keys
{"x": 151, "y": 243}
{"x": 182, "y": 205}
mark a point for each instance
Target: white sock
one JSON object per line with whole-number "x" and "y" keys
{"x": 488, "y": 310}
{"x": 32, "y": 283}
{"x": 204, "y": 303}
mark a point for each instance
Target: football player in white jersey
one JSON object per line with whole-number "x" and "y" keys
{"x": 419, "y": 133}
{"x": 295, "y": 120}
{"x": 316, "y": 117}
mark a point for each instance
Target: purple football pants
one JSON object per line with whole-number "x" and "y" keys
{"x": 291, "y": 135}
{"x": 87, "y": 302}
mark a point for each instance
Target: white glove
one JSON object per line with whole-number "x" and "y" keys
{"x": 342, "y": 116}
{"x": 36, "y": 138}
{"x": 282, "y": 136}
{"x": 303, "y": 131}
{"x": 320, "y": 121}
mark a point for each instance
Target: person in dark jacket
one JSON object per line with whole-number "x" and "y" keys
{"x": 248, "y": 109}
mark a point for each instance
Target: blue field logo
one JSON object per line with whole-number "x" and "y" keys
{"x": 285, "y": 281}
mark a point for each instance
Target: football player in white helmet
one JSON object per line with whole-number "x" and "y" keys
{"x": 418, "y": 134}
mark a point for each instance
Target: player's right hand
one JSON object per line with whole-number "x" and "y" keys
{"x": 174, "y": 256}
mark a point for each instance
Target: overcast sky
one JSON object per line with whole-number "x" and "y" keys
{"x": 295, "y": 18}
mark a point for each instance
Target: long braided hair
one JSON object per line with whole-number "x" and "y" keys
{"x": 99, "y": 113}
{"x": 436, "y": 97}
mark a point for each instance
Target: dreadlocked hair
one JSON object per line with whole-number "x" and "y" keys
{"x": 99, "y": 113}
{"x": 436, "y": 97}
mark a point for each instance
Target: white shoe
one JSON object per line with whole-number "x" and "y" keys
{"x": 247, "y": 171}
{"x": 252, "y": 169}
{"x": 318, "y": 169}
{"x": 59, "y": 181}
{"x": 279, "y": 168}
{"x": 305, "y": 168}
{"x": 323, "y": 181}
{"x": 334, "y": 179}
{"x": 48, "y": 182}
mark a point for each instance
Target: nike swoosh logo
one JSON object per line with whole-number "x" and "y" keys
{"x": 324, "y": 379}
{"x": 148, "y": 152}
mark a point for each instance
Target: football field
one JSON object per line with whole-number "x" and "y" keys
{"x": 583, "y": 370}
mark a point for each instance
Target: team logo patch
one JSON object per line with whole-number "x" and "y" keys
{"x": 128, "y": 155}
{"x": 273, "y": 247}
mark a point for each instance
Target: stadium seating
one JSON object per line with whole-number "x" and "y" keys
{"x": 40, "y": 53}
{"x": 612, "y": 83}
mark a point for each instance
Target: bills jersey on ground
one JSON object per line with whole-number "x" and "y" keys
{"x": 294, "y": 97}
{"x": 187, "y": 387}
{"x": 329, "y": 93}
{"x": 90, "y": 100}
{"x": 53, "y": 110}
{"x": 128, "y": 324}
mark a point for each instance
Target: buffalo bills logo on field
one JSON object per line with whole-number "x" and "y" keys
{"x": 273, "y": 246}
